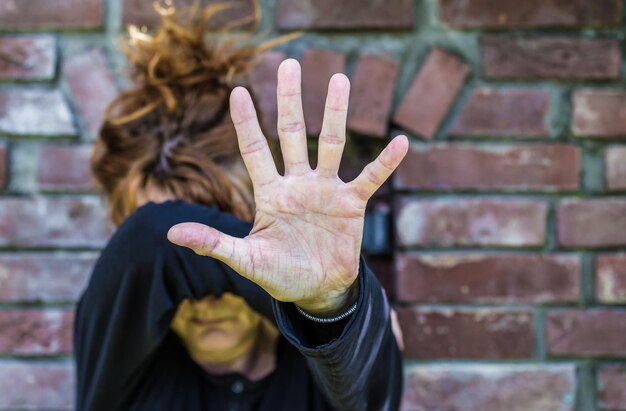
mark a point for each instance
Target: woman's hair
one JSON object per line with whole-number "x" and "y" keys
{"x": 172, "y": 133}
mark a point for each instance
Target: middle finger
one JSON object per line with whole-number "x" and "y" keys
{"x": 291, "y": 128}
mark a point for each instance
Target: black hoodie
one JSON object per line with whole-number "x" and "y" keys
{"x": 127, "y": 357}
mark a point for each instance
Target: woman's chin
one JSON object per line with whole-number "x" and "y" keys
{"x": 216, "y": 341}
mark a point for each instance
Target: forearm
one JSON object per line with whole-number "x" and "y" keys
{"x": 358, "y": 368}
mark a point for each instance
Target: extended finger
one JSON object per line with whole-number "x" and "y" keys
{"x": 333, "y": 136}
{"x": 376, "y": 172}
{"x": 207, "y": 241}
{"x": 291, "y": 128}
{"x": 252, "y": 143}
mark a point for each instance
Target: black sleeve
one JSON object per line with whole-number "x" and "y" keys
{"x": 362, "y": 368}
{"x": 135, "y": 288}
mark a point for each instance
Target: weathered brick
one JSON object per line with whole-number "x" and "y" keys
{"x": 592, "y": 223}
{"x": 561, "y": 58}
{"x": 44, "y": 277}
{"x": 35, "y": 112}
{"x": 36, "y": 332}
{"x": 512, "y": 111}
{"x": 36, "y": 385}
{"x": 53, "y": 222}
{"x": 372, "y": 91}
{"x": 46, "y": 14}
{"x": 611, "y": 388}
{"x": 611, "y": 278}
{"x": 586, "y": 333}
{"x": 92, "y": 86}
{"x": 488, "y": 387}
{"x": 599, "y": 113}
{"x": 318, "y": 66}
{"x": 487, "y": 278}
{"x": 441, "y": 78}
{"x": 471, "y": 222}
{"x": 142, "y": 13}
{"x": 64, "y": 167}
{"x": 530, "y": 13}
{"x": 467, "y": 333}
{"x": 263, "y": 82}
{"x": 27, "y": 57}
{"x": 4, "y": 162}
{"x": 537, "y": 167}
{"x": 615, "y": 168}
{"x": 344, "y": 15}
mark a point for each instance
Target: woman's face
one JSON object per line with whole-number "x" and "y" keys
{"x": 217, "y": 330}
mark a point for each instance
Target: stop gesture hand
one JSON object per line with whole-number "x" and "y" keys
{"x": 305, "y": 244}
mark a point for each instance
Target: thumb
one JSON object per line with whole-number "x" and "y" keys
{"x": 205, "y": 240}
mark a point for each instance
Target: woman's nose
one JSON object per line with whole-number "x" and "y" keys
{"x": 205, "y": 303}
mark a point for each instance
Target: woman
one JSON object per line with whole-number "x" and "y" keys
{"x": 281, "y": 314}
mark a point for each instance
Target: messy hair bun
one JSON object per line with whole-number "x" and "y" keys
{"x": 171, "y": 132}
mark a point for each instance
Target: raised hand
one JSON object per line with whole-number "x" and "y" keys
{"x": 305, "y": 244}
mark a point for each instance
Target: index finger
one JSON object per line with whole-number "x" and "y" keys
{"x": 252, "y": 143}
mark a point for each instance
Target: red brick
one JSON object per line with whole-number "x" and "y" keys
{"x": 497, "y": 112}
{"x": 44, "y": 277}
{"x": 53, "y": 222}
{"x": 92, "y": 86}
{"x": 318, "y": 66}
{"x": 27, "y": 57}
{"x": 466, "y": 333}
{"x": 36, "y": 385}
{"x": 142, "y": 13}
{"x": 263, "y": 82}
{"x": 611, "y": 278}
{"x": 599, "y": 113}
{"x": 615, "y": 168}
{"x": 611, "y": 388}
{"x": 4, "y": 165}
{"x": 35, "y": 112}
{"x": 36, "y": 332}
{"x": 344, "y": 15}
{"x": 64, "y": 167}
{"x": 537, "y": 167}
{"x": 586, "y": 333}
{"x": 556, "y": 57}
{"x": 471, "y": 222}
{"x": 371, "y": 98}
{"x": 489, "y": 387}
{"x": 441, "y": 78}
{"x": 592, "y": 223}
{"x": 530, "y": 13}
{"x": 487, "y": 278}
{"x": 47, "y": 14}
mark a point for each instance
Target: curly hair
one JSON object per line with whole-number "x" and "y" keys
{"x": 172, "y": 131}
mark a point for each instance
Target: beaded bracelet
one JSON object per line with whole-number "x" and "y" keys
{"x": 327, "y": 320}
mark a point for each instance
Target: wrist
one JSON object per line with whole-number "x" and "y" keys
{"x": 331, "y": 306}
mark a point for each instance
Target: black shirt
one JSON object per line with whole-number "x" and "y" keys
{"x": 127, "y": 357}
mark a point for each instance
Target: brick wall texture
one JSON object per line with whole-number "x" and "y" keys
{"x": 501, "y": 238}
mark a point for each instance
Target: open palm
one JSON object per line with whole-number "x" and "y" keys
{"x": 305, "y": 244}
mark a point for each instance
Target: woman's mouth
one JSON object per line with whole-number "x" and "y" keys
{"x": 209, "y": 322}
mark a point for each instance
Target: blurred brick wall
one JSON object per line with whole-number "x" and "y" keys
{"x": 509, "y": 221}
